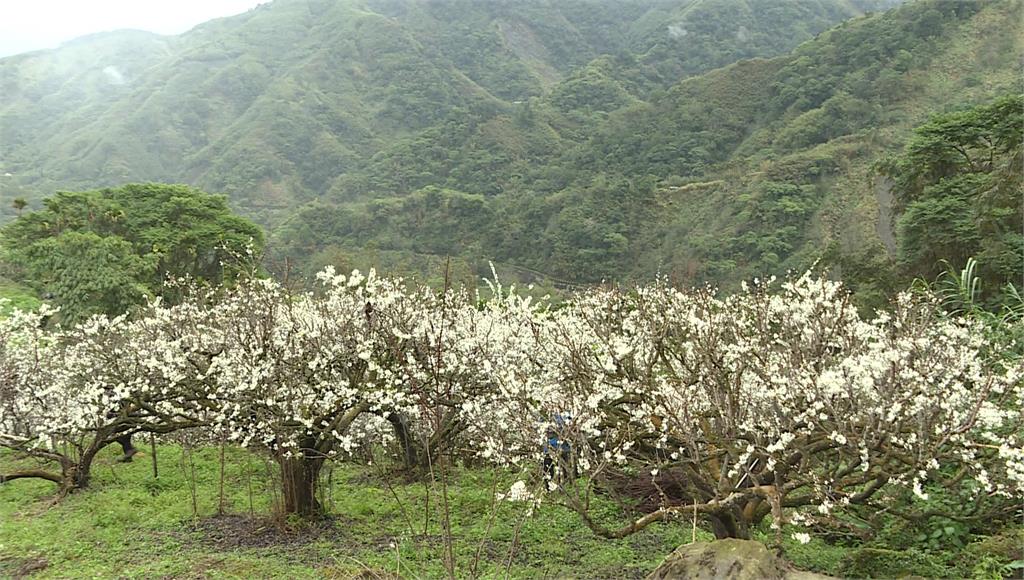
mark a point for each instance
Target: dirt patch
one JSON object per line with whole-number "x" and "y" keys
{"x": 22, "y": 567}
{"x": 236, "y": 532}
{"x": 239, "y": 532}
{"x": 645, "y": 494}
{"x": 884, "y": 227}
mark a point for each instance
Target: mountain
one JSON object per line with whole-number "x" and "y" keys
{"x": 774, "y": 160}
{"x": 567, "y": 141}
{"x": 284, "y": 103}
{"x": 748, "y": 170}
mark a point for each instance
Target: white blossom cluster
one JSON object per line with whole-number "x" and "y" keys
{"x": 787, "y": 394}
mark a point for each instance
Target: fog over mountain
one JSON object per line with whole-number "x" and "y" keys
{"x": 580, "y": 139}
{"x": 47, "y": 24}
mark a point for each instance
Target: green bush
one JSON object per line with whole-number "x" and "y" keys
{"x": 998, "y": 556}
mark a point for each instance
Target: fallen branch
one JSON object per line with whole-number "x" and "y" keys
{"x": 32, "y": 473}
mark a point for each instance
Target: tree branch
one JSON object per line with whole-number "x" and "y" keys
{"x": 32, "y": 473}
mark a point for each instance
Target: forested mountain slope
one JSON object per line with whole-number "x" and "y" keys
{"x": 750, "y": 169}
{"x": 582, "y": 140}
{"x": 294, "y": 99}
{"x": 791, "y": 142}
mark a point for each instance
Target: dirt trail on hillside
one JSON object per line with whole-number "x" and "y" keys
{"x": 884, "y": 227}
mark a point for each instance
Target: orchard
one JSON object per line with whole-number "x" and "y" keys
{"x": 781, "y": 403}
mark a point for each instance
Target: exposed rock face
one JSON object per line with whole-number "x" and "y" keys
{"x": 728, "y": 560}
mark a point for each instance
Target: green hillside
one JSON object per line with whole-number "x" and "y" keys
{"x": 568, "y": 142}
{"x": 751, "y": 169}
{"x": 286, "y": 102}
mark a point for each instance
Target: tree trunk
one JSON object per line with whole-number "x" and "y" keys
{"x": 418, "y": 456}
{"x": 727, "y": 524}
{"x": 72, "y": 476}
{"x": 78, "y": 475}
{"x": 298, "y": 485}
{"x": 411, "y": 452}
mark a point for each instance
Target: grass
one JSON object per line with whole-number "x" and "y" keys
{"x": 17, "y": 296}
{"x": 129, "y": 524}
{"x": 132, "y": 525}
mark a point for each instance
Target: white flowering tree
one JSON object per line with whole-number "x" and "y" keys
{"x": 428, "y": 333}
{"x": 67, "y": 394}
{"x": 308, "y": 376}
{"x": 762, "y": 403}
{"x": 25, "y": 351}
{"x": 784, "y": 403}
{"x": 456, "y": 348}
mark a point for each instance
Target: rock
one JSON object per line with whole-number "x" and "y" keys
{"x": 805, "y": 575}
{"x": 728, "y": 559}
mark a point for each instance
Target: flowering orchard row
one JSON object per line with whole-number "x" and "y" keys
{"x": 779, "y": 400}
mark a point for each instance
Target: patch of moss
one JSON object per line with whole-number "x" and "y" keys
{"x": 880, "y": 563}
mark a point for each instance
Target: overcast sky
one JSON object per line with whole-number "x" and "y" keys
{"x": 34, "y": 24}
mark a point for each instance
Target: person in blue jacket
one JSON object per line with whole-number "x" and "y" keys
{"x": 558, "y": 455}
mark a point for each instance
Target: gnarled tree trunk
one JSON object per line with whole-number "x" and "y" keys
{"x": 73, "y": 475}
{"x": 418, "y": 456}
{"x": 300, "y": 467}
{"x": 299, "y": 475}
{"x": 411, "y": 449}
{"x": 78, "y": 475}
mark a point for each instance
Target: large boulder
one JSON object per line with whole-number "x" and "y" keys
{"x": 727, "y": 560}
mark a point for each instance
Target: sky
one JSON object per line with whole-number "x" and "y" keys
{"x": 35, "y": 24}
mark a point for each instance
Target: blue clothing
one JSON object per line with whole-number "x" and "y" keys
{"x": 553, "y": 442}
{"x": 558, "y": 456}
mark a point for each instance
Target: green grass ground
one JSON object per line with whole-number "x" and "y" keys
{"x": 132, "y": 525}
{"x": 129, "y": 524}
{"x": 17, "y": 296}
